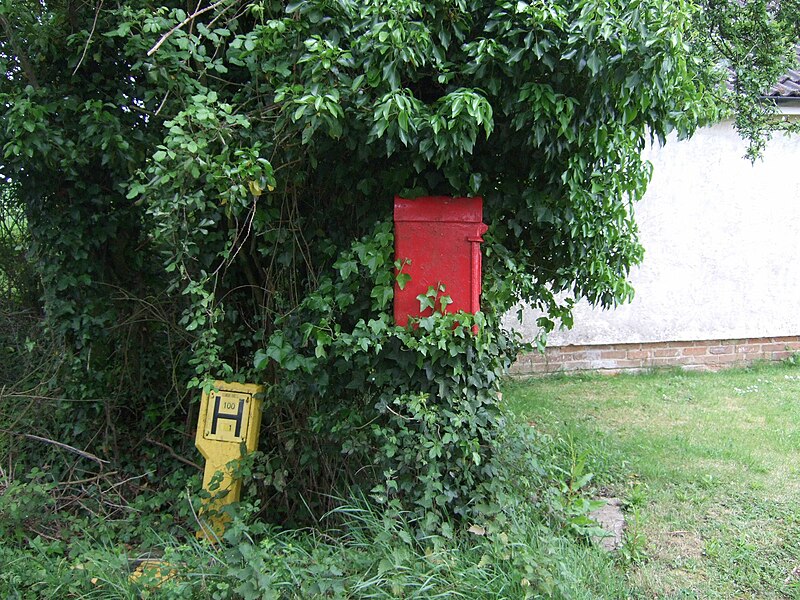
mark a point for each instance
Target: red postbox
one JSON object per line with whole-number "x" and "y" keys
{"x": 441, "y": 238}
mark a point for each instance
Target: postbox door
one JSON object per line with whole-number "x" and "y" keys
{"x": 438, "y": 239}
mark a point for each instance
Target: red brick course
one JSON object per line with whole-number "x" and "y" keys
{"x": 695, "y": 351}
{"x": 722, "y": 349}
{"x": 693, "y": 355}
{"x": 666, "y": 352}
{"x": 613, "y": 354}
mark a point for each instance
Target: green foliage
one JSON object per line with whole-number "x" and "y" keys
{"x": 18, "y": 287}
{"x": 357, "y": 550}
{"x": 201, "y": 193}
{"x": 753, "y": 44}
{"x": 25, "y": 507}
{"x": 424, "y": 397}
{"x": 793, "y": 359}
{"x": 634, "y": 544}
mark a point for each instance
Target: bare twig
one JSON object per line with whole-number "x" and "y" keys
{"x": 174, "y": 454}
{"x": 47, "y": 398}
{"x": 205, "y": 528}
{"x": 89, "y": 39}
{"x": 93, "y": 479}
{"x": 188, "y": 19}
{"x": 124, "y": 481}
{"x": 237, "y": 245}
{"x": 61, "y": 445}
{"x": 160, "y": 106}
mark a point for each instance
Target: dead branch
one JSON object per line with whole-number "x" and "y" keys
{"x": 89, "y": 39}
{"x": 174, "y": 454}
{"x": 187, "y": 20}
{"x": 61, "y": 445}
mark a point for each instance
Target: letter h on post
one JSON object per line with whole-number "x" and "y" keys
{"x": 232, "y": 416}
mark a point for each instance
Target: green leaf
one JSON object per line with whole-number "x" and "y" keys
{"x": 402, "y": 280}
{"x": 402, "y": 121}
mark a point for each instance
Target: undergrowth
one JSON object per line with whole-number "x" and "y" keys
{"x": 538, "y": 548}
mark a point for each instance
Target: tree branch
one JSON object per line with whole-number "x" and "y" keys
{"x": 188, "y": 19}
{"x": 89, "y": 39}
{"x": 174, "y": 454}
{"x": 22, "y": 58}
{"x": 62, "y": 445}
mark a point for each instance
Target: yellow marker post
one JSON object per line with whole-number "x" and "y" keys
{"x": 228, "y": 427}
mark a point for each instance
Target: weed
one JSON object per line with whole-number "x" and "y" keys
{"x": 634, "y": 544}
{"x": 793, "y": 359}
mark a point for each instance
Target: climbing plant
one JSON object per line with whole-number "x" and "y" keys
{"x": 208, "y": 193}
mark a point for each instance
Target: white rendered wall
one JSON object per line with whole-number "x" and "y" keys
{"x": 722, "y": 248}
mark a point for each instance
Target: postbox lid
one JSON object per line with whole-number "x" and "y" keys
{"x": 440, "y": 209}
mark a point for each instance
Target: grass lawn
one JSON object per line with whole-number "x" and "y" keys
{"x": 708, "y": 465}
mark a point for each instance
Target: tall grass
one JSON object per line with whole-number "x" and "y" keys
{"x": 370, "y": 554}
{"x": 359, "y": 550}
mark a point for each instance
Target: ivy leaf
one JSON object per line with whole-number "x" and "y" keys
{"x": 383, "y": 295}
{"x": 427, "y": 300}
{"x": 402, "y": 280}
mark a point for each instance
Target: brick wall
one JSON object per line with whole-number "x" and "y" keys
{"x": 698, "y": 355}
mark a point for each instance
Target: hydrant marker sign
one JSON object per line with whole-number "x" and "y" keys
{"x": 227, "y": 428}
{"x": 227, "y": 416}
